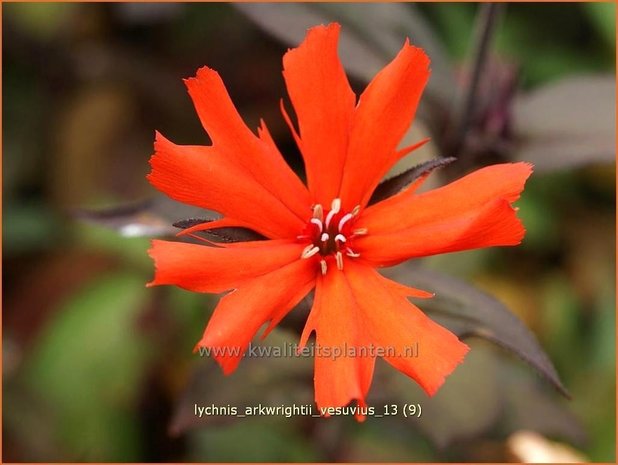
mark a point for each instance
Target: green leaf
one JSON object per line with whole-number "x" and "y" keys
{"x": 88, "y": 365}
{"x": 567, "y": 124}
{"x": 42, "y": 20}
{"x": 265, "y": 439}
{"x": 603, "y": 15}
{"x": 28, "y": 227}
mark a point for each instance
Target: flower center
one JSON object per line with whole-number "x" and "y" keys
{"x": 332, "y": 235}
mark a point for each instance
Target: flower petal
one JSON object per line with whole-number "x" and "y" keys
{"x": 208, "y": 178}
{"x": 201, "y": 268}
{"x": 384, "y": 113}
{"x": 258, "y": 156}
{"x": 324, "y": 104}
{"x": 493, "y": 225}
{"x": 241, "y": 313}
{"x": 397, "y": 327}
{"x": 407, "y": 291}
{"x": 469, "y": 213}
{"x": 338, "y": 324}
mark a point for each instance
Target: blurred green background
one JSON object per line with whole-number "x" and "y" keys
{"x": 97, "y": 367}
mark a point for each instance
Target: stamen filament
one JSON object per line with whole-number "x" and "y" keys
{"x": 334, "y": 209}
{"x": 339, "y": 258}
{"x": 351, "y": 253}
{"x": 317, "y": 222}
{"x": 344, "y": 220}
{"x": 323, "y": 266}
{"x": 318, "y": 212}
{"x": 309, "y": 251}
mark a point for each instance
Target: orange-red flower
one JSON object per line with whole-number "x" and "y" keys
{"x": 324, "y": 235}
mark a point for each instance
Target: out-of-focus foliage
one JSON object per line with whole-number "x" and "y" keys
{"x": 569, "y": 123}
{"x": 96, "y": 367}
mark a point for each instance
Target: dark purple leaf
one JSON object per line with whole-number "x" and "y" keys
{"x": 396, "y": 184}
{"x": 567, "y": 124}
{"x": 469, "y": 312}
{"x": 486, "y": 395}
{"x": 446, "y": 417}
{"x": 530, "y": 407}
{"x": 371, "y": 35}
{"x": 227, "y": 234}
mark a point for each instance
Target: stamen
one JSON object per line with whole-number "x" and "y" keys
{"x": 322, "y": 236}
{"x": 318, "y": 212}
{"x": 344, "y": 220}
{"x": 317, "y": 222}
{"x": 309, "y": 251}
{"x": 334, "y": 209}
{"x": 351, "y": 253}
{"x": 339, "y": 258}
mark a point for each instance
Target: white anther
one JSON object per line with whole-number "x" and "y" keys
{"x": 317, "y": 222}
{"x": 318, "y": 212}
{"x": 351, "y": 253}
{"x": 360, "y": 231}
{"x": 334, "y": 209}
{"x": 323, "y": 266}
{"x": 324, "y": 237}
{"x": 339, "y": 258}
{"x": 344, "y": 220}
{"x": 340, "y": 238}
{"x": 309, "y": 251}
{"x": 356, "y": 210}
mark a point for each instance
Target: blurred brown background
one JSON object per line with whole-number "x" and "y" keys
{"x": 97, "y": 367}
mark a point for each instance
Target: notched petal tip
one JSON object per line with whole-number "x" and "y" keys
{"x": 519, "y": 173}
{"x": 318, "y": 30}
{"x": 454, "y": 362}
{"x": 228, "y": 366}
{"x": 321, "y": 37}
{"x": 161, "y": 145}
{"x": 203, "y": 73}
{"x": 197, "y": 347}
{"x": 419, "y": 56}
{"x": 152, "y": 253}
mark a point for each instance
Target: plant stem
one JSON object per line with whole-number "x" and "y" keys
{"x": 464, "y": 113}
